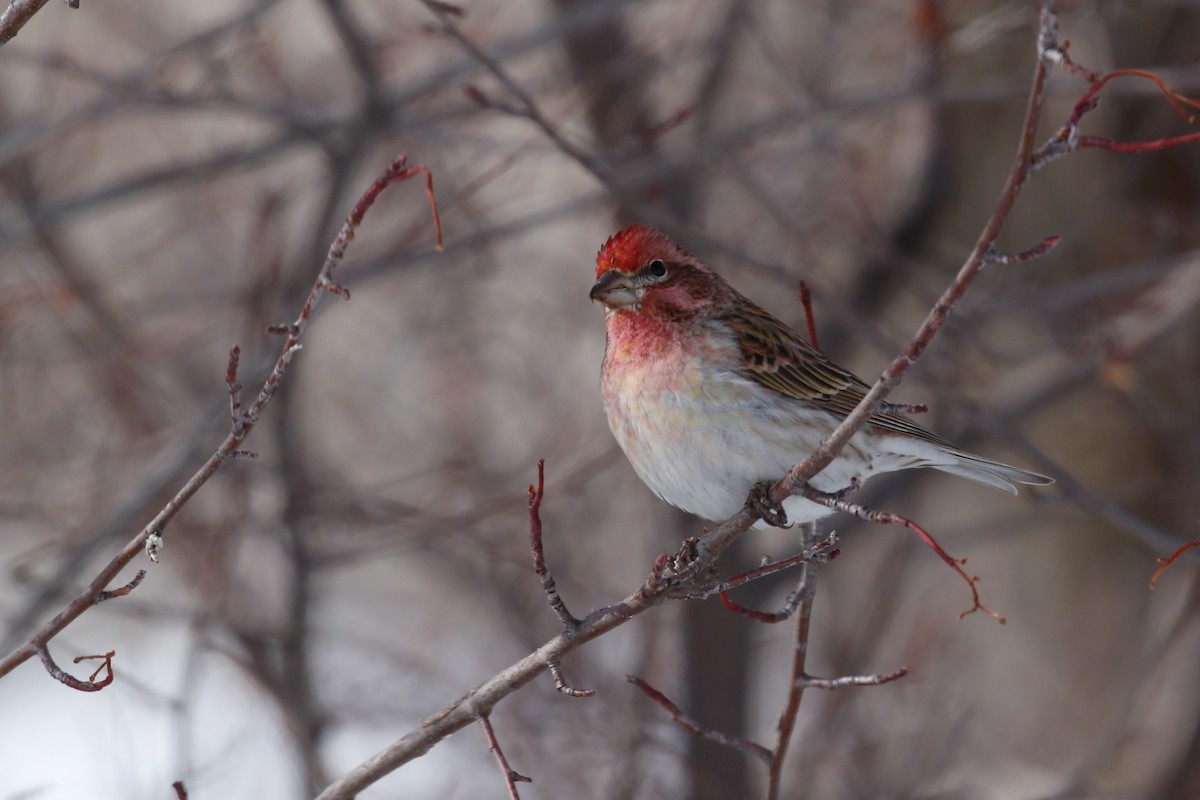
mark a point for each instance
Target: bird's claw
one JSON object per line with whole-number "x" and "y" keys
{"x": 760, "y": 503}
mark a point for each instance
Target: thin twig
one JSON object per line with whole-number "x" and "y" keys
{"x": 768, "y": 618}
{"x": 887, "y": 518}
{"x": 121, "y": 591}
{"x": 1037, "y": 251}
{"x": 91, "y": 684}
{"x": 806, "y": 591}
{"x": 902, "y": 408}
{"x": 536, "y": 494}
{"x": 809, "y": 318}
{"x": 853, "y": 680}
{"x": 703, "y": 731}
{"x": 560, "y": 682}
{"x": 511, "y": 776}
{"x": 1169, "y": 560}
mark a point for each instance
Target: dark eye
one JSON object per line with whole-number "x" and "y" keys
{"x": 657, "y": 268}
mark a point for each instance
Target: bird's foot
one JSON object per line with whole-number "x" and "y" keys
{"x": 760, "y": 503}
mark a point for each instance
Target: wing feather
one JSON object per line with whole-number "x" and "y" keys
{"x": 776, "y": 357}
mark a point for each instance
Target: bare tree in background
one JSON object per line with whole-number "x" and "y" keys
{"x": 172, "y": 175}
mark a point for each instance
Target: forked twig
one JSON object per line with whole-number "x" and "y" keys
{"x": 64, "y": 677}
{"x": 838, "y": 502}
{"x": 511, "y": 776}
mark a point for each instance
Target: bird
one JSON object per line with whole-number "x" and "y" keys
{"x": 709, "y": 396}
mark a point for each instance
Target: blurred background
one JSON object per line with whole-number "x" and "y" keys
{"x": 170, "y": 177}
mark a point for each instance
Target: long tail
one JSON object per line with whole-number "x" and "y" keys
{"x": 992, "y": 473}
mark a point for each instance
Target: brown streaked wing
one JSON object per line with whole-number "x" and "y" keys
{"x": 775, "y": 356}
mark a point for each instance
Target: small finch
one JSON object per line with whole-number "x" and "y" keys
{"x": 709, "y": 395}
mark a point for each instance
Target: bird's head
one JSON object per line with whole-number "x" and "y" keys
{"x": 639, "y": 270}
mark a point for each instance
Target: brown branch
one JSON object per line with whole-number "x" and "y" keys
{"x": 703, "y": 731}
{"x": 230, "y": 447}
{"x": 511, "y": 776}
{"x": 180, "y": 790}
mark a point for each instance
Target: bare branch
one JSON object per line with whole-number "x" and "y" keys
{"x": 806, "y": 592}
{"x": 539, "y": 559}
{"x": 511, "y": 776}
{"x": 853, "y": 680}
{"x": 91, "y": 684}
{"x": 20, "y": 12}
{"x": 689, "y": 724}
{"x": 888, "y": 518}
{"x": 561, "y": 685}
{"x": 1169, "y": 560}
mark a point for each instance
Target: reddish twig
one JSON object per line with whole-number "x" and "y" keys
{"x": 539, "y": 559}
{"x": 1067, "y": 138}
{"x": 766, "y": 617}
{"x": 180, "y": 790}
{"x": 806, "y": 301}
{"x": 1169, "y": 560}
{"x": 511, "y": 776}
{"x": 150, "y": 537}
{"x": 853, "y": 680}
{"x": 91, "y": 684}
{"x": 121, "y": 591}
{"x": 703, "y": 731}
{"x": 887, "y": 518}
{"x": 1037, "y": 251}
{"x": 1102, "y": 143}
